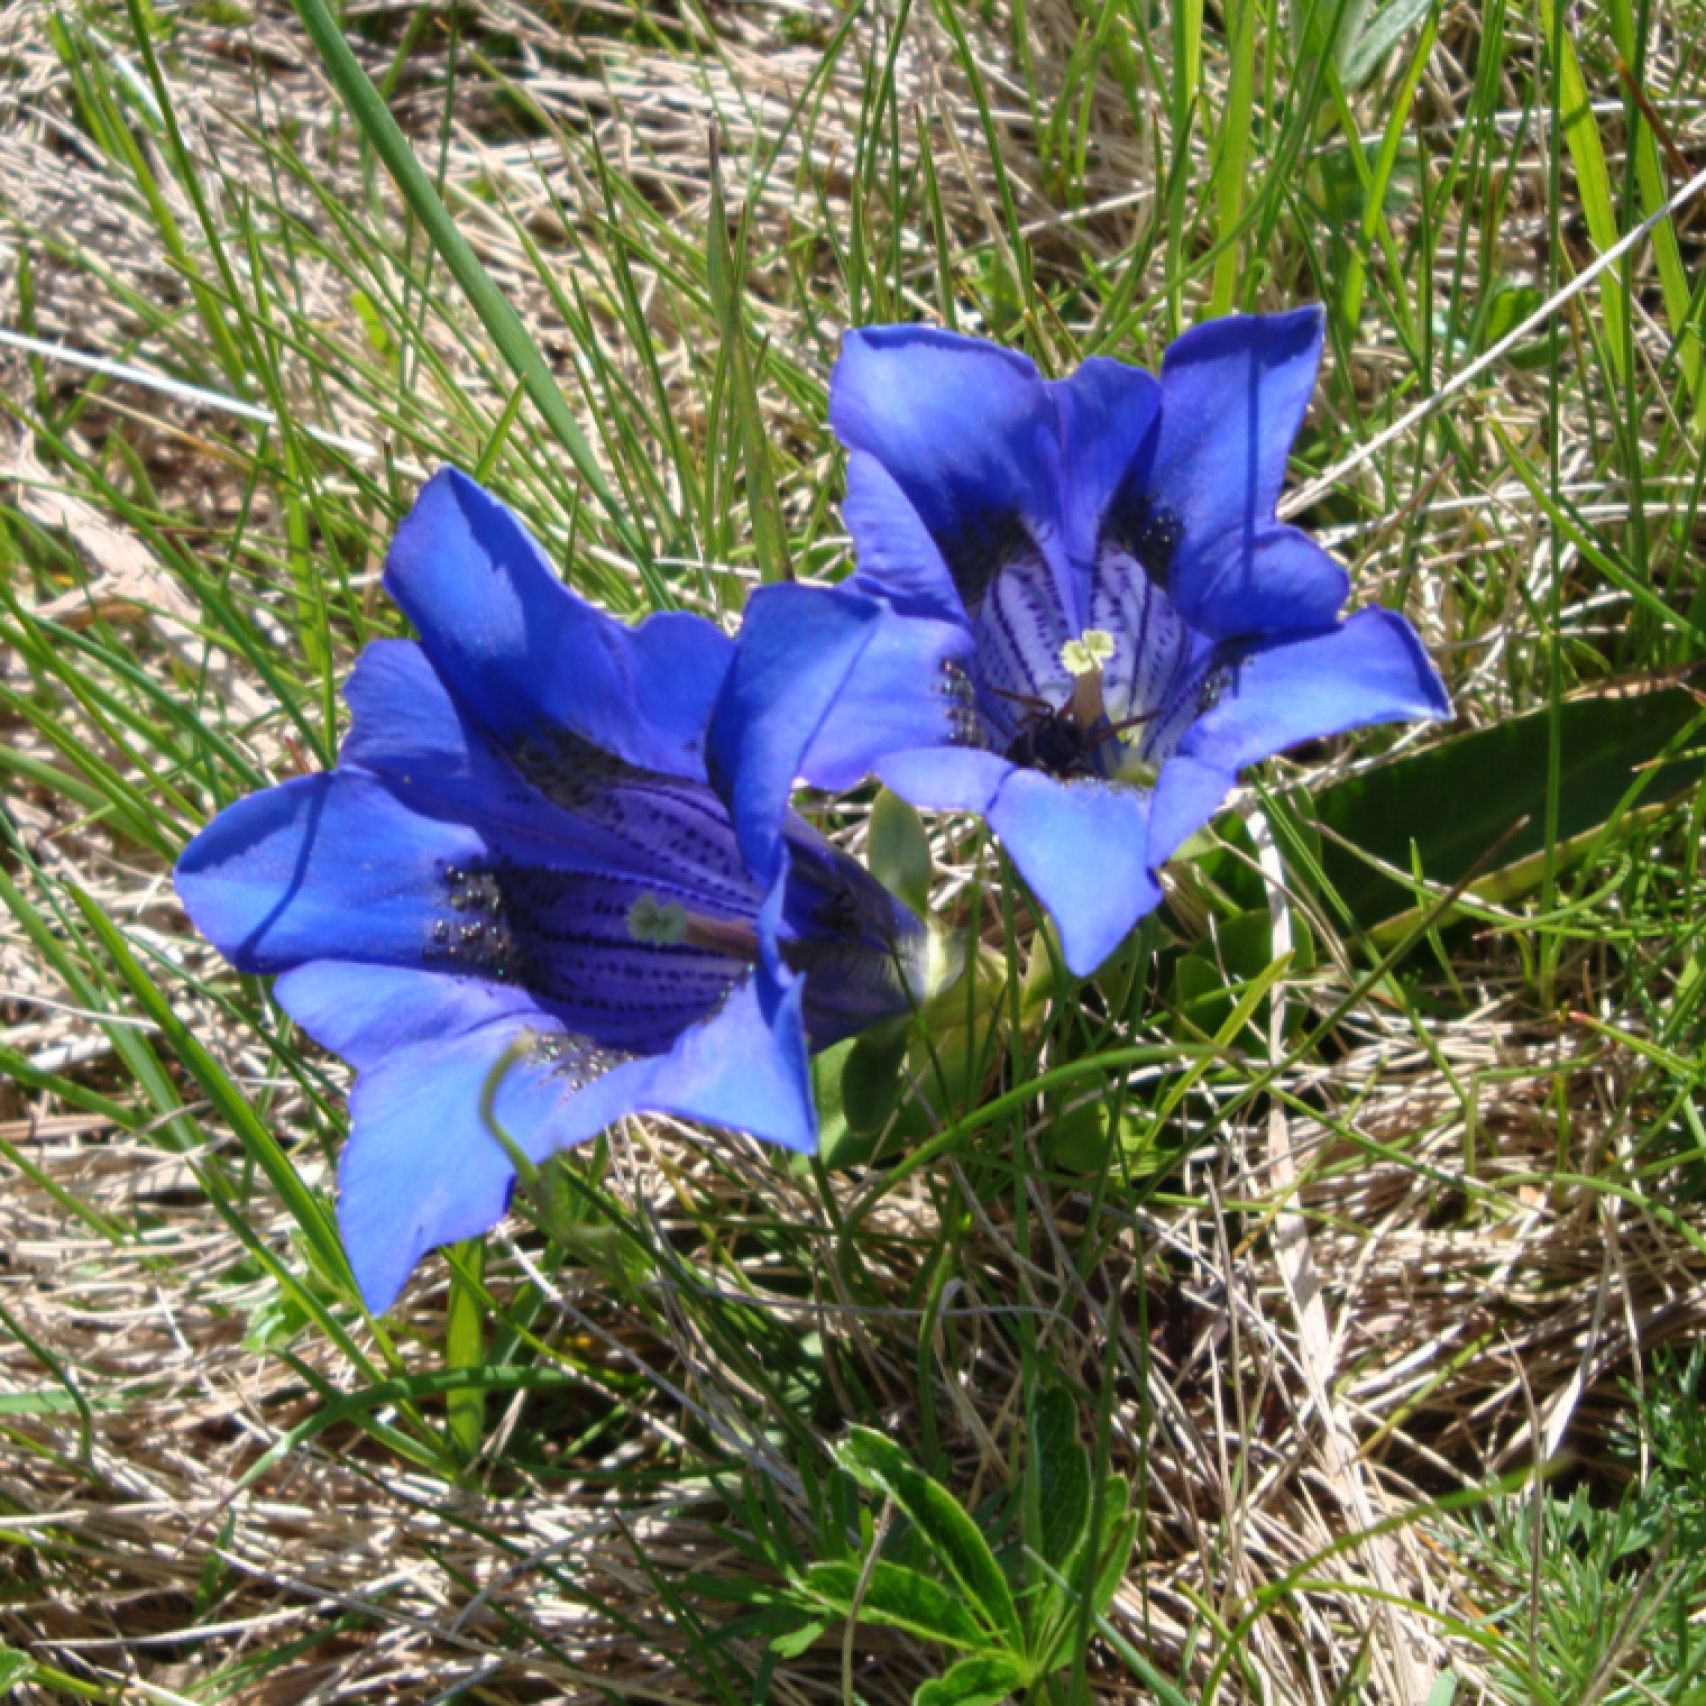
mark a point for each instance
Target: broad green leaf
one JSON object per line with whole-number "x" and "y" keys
{"x": 1062, "y": 1472}
{"x": 986, "y": 1679}
{"x": 827, "y": 1070}
{"x": 1119, "y": 1535}
{"x": 1209, "y": 980}
{"x": 899, "y": 852}
{"x": 1454, "y": 801}
{"x": 1076, "y": 1141}
{"x": 870, "y": 1084}
{"x": 899, "y": 1597}
{"x": 880, "y": 1466}
{"x": 944, "y": 1073}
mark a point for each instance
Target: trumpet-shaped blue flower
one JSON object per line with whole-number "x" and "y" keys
{"x": 516, "y": 901}
{"x": 1074, "y": 611}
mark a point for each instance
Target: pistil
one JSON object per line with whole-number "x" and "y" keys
{"x": 667, "y": 924}
{"x": 1082, "y": 659}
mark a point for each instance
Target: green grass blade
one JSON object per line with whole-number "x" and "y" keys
{"x": 494, "y": 309}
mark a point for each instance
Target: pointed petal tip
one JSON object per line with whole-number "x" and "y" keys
{"x": 1081, "y": 847}
{"x": 1430, "y": 702}
{"x": 1273, "y": 338}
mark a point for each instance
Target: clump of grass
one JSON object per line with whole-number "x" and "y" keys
{"x": 1328, "y": 1295}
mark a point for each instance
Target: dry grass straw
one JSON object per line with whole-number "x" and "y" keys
{"x": 1459, "y": 1304}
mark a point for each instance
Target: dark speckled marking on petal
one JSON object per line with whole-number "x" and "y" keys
{"x": 1192, "y": 697}
{"x": 574, "y": 1061}
{"x": 1147, "y": 532}
{"x": 984, "y": 546}
{"x": 1017, "y": 669}
{"x": 675, "y": 830}
{"x": 567, "y": 770}
{"x": 563, "y": 937}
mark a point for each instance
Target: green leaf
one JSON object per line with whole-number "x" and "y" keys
{"x": 465, "y": 1346}
{"x": 880, "y": 1466}
{"x": 1231, "y": 153}
{"x": 1362, "y": 57}
{"x": 1454, "y": 801}
{"x": 986, "y": 1679}
{"x": 828, "y": 1069}
{"x": 1326, "y": 29}
{"x": 1667, "y": 253}
{"x": 899, "y": 1597}
{"x": 1076, "y": 1141}
{"x": 870, "y": 1081}
{"x": 769, "y": 537}
{"x": 798, "y": 1641}
{"x": 899, "y": 852}
{"x": 1373, "y": 226}
{"x": 15, "y": 1667}
{"x": 1062, "y": 1468}
{"x": 1119, "y": 1535}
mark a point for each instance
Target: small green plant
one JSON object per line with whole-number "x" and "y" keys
{"x": 1602, "y": 1594}
{"x": 1009, "y": 1618}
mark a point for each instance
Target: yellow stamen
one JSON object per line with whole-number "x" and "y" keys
{"x": 1088, "y": 652}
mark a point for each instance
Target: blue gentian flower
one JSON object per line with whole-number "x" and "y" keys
{"x": 1074, "y": 611}
{"x": 518, "y": 876}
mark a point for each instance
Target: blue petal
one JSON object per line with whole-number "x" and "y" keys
{"x": 1108, "y": 412}
{"x": 336, "y": 867}
{"x": 1369, "y": 669}
{"x": 946, "y": 778}
{"x": 365, "y": 1012}
{"x": 407, "y": 728}
{"x": 1080, "y": 845}
{"x": 1082, "y": 848}
{"x": 522, "y": 652}
{"x": 865, "y": 956}
{"x": 825, "y": 682}
{"x": 1272, "y": 581}
{"x": 409, "y": 731}
{"x": 422, "y": 1169}
{"x": 1234, "y": 393}
{"x": 321, "y": 866}
{"x": 746, "y": 1068}
{"x": 1154, "y": 650}
{"x": 967, "y": 431}
{"x": 897, "y": 558}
